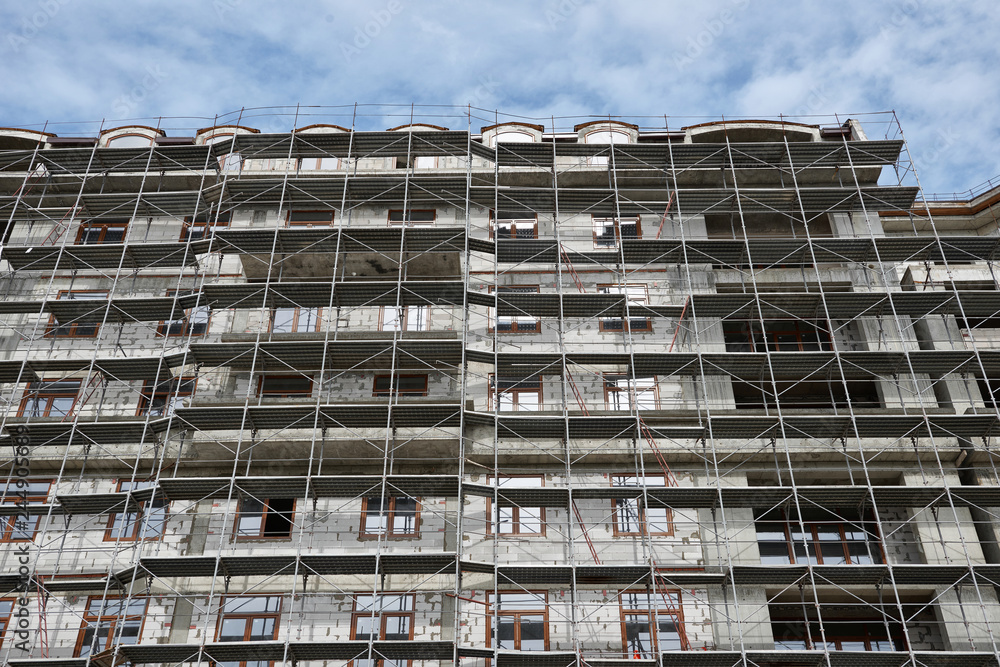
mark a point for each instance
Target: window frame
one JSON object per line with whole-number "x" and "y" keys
{"x": 249, "y": 618}
{"x": 136, "y": 527}
{"x": 632, "y": 389}
{"x": 96, "y": 223}
{"x": 873, "y": 543}
{"x": 270, "y": 393}
{"x": 406, "y": 216}
{"x": 641, "y": 511}
{"x": 320, "y": 220}
{"x": 113, "y": 620}
{"x": 425, "y": 319}
{"x": 389, "y": 532}
{"x": 495, "y": 613}
{"x": 226, "y": 161}
{"x": 516, "y": 327}
{"x": 188, "y": 324}
{"x": 297, "y": 312}
{"x": 640, "y": 324}
{"x": 112, "y": 140}
{"x": 9, "y": 528}
{"x": 495, "y": 219}
{"x": 394, "y": 391}
{"x": 494, "y": 400}
{"x": 207, "y": 222}
{"x": 812, "y": 639}
{"x": 318, "y": 161}
{"x": 616, "y": 225}
{"x": 381, "y": 618}
{"x": 176, "y": 388}
{"x": 37, "y": 395}
{"x": 652, "y": 611}
{"x": 265, "y": 503}
{"x": 754, "y": 336}
{"x": 493, "y": 518}
{"x": 53, "y": 329}
{"x": 5, "y": 617}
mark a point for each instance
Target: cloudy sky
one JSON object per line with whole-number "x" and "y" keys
{"x": 80, "y": 63}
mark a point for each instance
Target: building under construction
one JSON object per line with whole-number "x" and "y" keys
{"x": 473, "y": 390}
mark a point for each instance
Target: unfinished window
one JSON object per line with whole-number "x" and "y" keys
{"x": 204, "y": 225}
{"x": 161, "y": 399}
{"x": 96, "y": 232}
{"x": 632, "y": 515}
{"x": 521, "y": 621}
{"x": 107, "y": 622}
{"x": 228, "y": 161}
{"x": 513, "y": 519}
{"x": 766, "y": 225}
{"x": 49, "y": 398}
{"x": 300, "y": 218}
{"x": 319, "y": 163}
{"x": 295, "y": 320}
{"x": 604, "y": 137}
{"x": 516, "y": 323}
{"x": 858, "y": 630}
{"x": 77, "y": 328}
{"x": 265, "y": 518}
{"x": 608, "y": 232}
{"x": 404, "y": 318}
{"x": 396, "y": 516}
{"x": 777, "y": 336}
{"x": 829, "y": 537}
{"x": 515, "y": 394}
{"x": 131, "y": 140}
{"x": 408, "y": 385}
{"x": 511, "y": 137}
{"x": 806, "y": 394}
{"x": 194, "y": 323}
{"x": 6, "y": 607}
{"x": 384, "y": 617}
{"x": 509, "y": 225}
{"x": 22, "y": 492}
{"x": 651, "y": 623}
{"x": 624, "y": 393}
{"x": 286, "y": 386}
{"x": 636, "y": 296}
{"x": 147, "y": 523}
{"x": 248, "y": 618}
{"x": 412, "y": 218}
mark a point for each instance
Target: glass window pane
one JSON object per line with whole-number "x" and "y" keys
{"x": 532, "y": 633}
{"x": 232, "y": 629}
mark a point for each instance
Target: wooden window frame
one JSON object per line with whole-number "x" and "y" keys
{"x": 405, "y": 318}
{"x": 752, "y": 337}
{"x": 873, "y": 542}
{"x": 652, "y": 614}
{"x": 54, "y": 329}
{"x": 616, "y": 223}
{"x": 390, "y": 520}
{"x": 136, "y": 526}
{"x": 265, "y": 503}
{"x": 515, "y": 326}
{"x": 813, "y": 639}
{"x": 176, "y": 387}
{"x": 494, "y": 614}
{"x": 104, "y": 227}
{"x": 515, "y": 521}
{"x": 320, "y": 222}
{"x": 9, "y": 527}
{"x": 408, "y": 213}
{"x": 381, "y": 619}
{"x": 207, "y": 222}
{"x": 495, "y": 227}
{"x": 5, "y": 617}
{"x": 248, "y": 617}
{"x": 113, "y": 619}
{"x": 640, "y": 324}
{"x": 515, "y": 392}
{"x": 632, "y": 390}
{"x": 188, "y": 327}
{"x": 296, "y": 315}
{"x": 37, "y": 394}
{"x": 642, "y": 518}
{"x": 394, "y": 391}
{"x": 262, "y": 393}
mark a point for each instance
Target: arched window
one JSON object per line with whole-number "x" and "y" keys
{"x": 604, "y": 137}
{"x": 511, "y": 137}
{"x": 229, "y": 161}
{"x": 130, "y": 141}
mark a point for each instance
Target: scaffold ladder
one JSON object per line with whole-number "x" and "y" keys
{"x": 53, "y": 236}
{"x": 88, "y": 392}
{"x": 43, "y": 625}
{"x": 569, "y": 265}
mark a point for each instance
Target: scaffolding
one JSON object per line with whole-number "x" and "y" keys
{"x": 566, "y": 392}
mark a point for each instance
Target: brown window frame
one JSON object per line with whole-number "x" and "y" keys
{"x": 652, "y": 614}
{"x": 54, "y": 329}
{"x": 320, "y": 221}
{"x": 173, "y": 388}
{"x": 381, "y": 618}
{"x": 188, "y": 327}
{"x": 44, "y": 390}
{"x": 630, "y": 390}
{"x": 113, "y": 619}
{"x": 515, "y": 516}
{"x": 405, "y": 318}
{"x": 752, "y": 337}
{"x": 514, "y": 233}
{"x": 494, "y": 614}
{"x": 811, "y": 638}
{"x": 207, "y": 223}
{"x": 265, "y": 509}
{"x": 873, "y": 542}
{"x": 296, "y": 315}
{"x": 394, "y": 390}
{"x": 390, "y": 519}
{"x": 9, "y": 524}
{"x": 5, "y": 616}
{"x": 514, "y": 391}
{"x": 262, "y": 393}
{"x": 135, "y": 523}
{"x": 249, "y": 617}
{"x": 515, "y": 326}
{"x": 104, "y": 226}
{"x": 404, "y": 213}
{"x": 642, "y": 519}
{"x": 616, "y": 224}
{"x": 640, "y": 324}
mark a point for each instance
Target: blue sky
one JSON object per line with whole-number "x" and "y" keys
{"x": 81, "y": 63}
